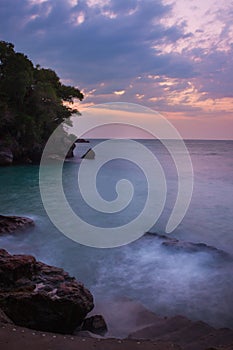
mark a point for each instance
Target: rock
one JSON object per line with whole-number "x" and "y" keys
{"x": 124, "y": 316}
{"x": 176, "y": 245}
{"x": 81, "y": 141}
{"x": 190, "y": 247}
{"x": 90, "y": 154}
{"x": 188, "y": 334}
{"x": 42, "y": 297}
{"x": 95, "y": 324}
{"x": 157, "y": 235}
{"x": 161, "y": 327}
{"x": 4, "y": 318}
{"x": 70, "y": 153}
{"x": 11, "y": 151}
{"x": 33, "y": 155}
{"x": 6, "y": 156}
{"x": 9, "y": 224}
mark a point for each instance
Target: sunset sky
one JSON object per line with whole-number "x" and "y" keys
{"x": 174, "y": 56}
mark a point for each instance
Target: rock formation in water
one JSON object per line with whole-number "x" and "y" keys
{"x": 82, "y": 141}
{"x": 176, "y": 246}
{"x": 90, "y": 154}
{"x": 42, "y": 297}
{"x": 9, "y": 224}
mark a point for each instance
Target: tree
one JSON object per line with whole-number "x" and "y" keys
{"x": 31, "y": 102}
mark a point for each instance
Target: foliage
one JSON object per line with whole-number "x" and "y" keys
{"x": 31, "y": 100}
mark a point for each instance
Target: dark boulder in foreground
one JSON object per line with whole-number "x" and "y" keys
{"x": 9, "y": 224}
{"x": 39, "y": 296}
{"x": 90, "y": 154}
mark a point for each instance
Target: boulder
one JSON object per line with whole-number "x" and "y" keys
{"x": 95, "y": 324}
{"x": 42, "y": 297}
{"x": 9, "y": 224}
{"x": 90, "y": 154}
{"x": 6, "y": 156}
{"x": 70, "y": 153}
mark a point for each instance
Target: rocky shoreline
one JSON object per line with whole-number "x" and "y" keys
{"x": 14, "y": 154}
{"x": 10, "y": 224}
{"x": 39, "y": 296}
{"x": 39, "y": 303}
{"x": 175, "y": 246}
{"x": 177, "y": 333}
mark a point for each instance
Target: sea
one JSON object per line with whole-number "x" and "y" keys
{"x": 195, "y": 285}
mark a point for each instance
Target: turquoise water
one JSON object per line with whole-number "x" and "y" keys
{"x": 188, "y": 284}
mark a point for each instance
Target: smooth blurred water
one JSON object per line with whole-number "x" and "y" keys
{"x": 190, "y": 284}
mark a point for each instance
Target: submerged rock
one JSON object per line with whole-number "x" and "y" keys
{"x": 190, "y": 335}
{"x": 9, "y": 224}
{"x": 42, "y": 297}
{"x": 70, "y": 153}
{"x": 188, "y": 247}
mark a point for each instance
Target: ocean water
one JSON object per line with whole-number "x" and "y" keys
{"x": 194, "y": 285}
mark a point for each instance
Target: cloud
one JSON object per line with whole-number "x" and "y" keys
{"x": 108, "y": 48}
{"x": 145, "y": 48}
{"x": 216, "y": 79}
{"x": 119, "y": 92}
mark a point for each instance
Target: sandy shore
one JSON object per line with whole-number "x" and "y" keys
{"x": 150, "y": 332}
{"x": 18, "y": 338}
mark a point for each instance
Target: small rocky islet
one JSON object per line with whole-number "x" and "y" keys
{"x": 10, "y": 224}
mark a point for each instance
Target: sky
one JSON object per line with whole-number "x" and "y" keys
{"x": 174, "y": 56}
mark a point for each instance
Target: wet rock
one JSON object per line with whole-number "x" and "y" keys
{"x": 90, "y": 154}
{"x": 176, "y": 245}
{"x": 4, "y": 318}
{"x": 70, "y": 153}
{"x": 95, "y": 324}
{"x": 9, "y": 224}
{"x": 190, "y": 247}
{"x": 42, "y": 297}
{"x": 81, "y": 141}
{"x": 157, "y": 235}
{"x": 6, "y": 156}
{"x": 188, "y": 334}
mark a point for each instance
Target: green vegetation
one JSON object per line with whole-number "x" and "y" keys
{"x": 31, "y": 103}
